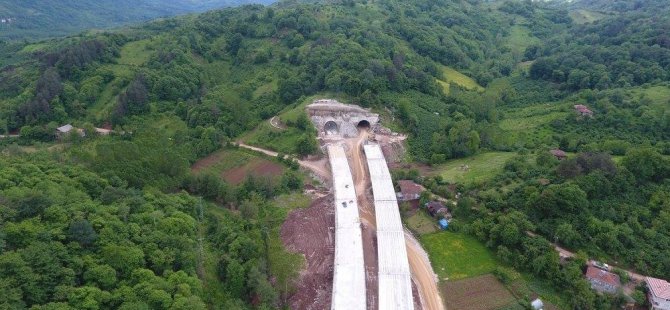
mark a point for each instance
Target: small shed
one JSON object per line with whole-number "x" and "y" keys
{"x": 65, "y": 128}
{"x": 435, "y": 208}
{"x": 444, "y": 224}
{"x": 537, "y": 304}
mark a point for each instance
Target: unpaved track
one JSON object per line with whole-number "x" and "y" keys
{"x": 367, "y": 215}
{"x": 316, "y": 167}
{"x": 422, "y": 272}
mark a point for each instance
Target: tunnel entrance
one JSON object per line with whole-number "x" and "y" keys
{"x": 331, "y": 128}
{"x": 363, "y": 125}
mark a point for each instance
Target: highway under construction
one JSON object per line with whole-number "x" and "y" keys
{"x": 382, "y": 269}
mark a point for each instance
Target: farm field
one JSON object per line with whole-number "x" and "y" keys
{"x": 234, "y": 165}
{"x": 480, "y": 168}
{"x": 457, "y": 256}
{"x": 479, "y": 293}
{"x": 585, "y": 16}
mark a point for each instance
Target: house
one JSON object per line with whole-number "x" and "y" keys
{"x": 409, "y": 190}
{"x": 444, "y": 224}
{"x": 603, "y": 281}
{"x": 583, "y": 110}
{"x": 537, "y": 304}
{"x": 659, "y": 293}
{"x": 435, "y": 208}
{"x": 559, "y": 154}
{"x": 65, "y": 129}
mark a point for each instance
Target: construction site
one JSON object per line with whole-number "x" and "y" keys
{"x": 368, "y": 260}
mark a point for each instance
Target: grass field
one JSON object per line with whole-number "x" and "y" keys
{"x": 457, "y": 256}
{"x": 450, "y": 75}
{"x": 585, "y": 16}
{"x": 659, "y": 95}
{"x": 520, "y": 38}
{"x": 421, "y": 223}
{"x": 481, "y": 167}
{"x": 480, "y": 293}
{"x": 531, "y": 117}
{"x": 133, "y": 55}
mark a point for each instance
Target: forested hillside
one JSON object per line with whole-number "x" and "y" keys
{"x": 32, "y": 20}
{"x": 459, "y": 77}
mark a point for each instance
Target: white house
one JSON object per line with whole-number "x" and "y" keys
{"x": 659, "y": 293}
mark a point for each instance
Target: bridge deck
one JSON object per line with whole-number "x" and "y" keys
{"x": 349, "y": 271}
{"x": 395, "y": 286}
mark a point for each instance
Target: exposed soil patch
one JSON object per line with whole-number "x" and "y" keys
{"x": 257, "y": 168}
{"x": 311, "y": 232}
{"x": 479, "y": 293}
{"x": 206, "y": 162}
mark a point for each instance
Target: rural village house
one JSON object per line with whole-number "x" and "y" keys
{"x": 603, "y": 281}
{"x": 66, "y": 129}
{"x": 659, "y": 293}
{"x": 583, "y": 110}
{"x": 409, "y": 190}
{"x": 559, "y": 154}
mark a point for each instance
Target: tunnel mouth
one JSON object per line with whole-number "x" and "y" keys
{"x": 331, "y": 128}
{"x": 363, "y": 125}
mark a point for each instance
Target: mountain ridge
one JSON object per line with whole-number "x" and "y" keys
{"x": 33, "y": 20}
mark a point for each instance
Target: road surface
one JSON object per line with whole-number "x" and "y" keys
{"x": 422, "y": 272}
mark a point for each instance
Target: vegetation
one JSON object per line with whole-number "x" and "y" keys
{"x": 177, "y": 90}
{"x": 457, "y": 256}
{"x": 30, "y": 19}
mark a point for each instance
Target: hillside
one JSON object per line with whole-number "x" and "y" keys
{"x": 32, "y": 20}
{"x": 483, "y": 90}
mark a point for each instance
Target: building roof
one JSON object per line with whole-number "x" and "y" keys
{"x": 435, "y": 205}
{"x": 65, "y": 128}
{"x": 659, "y": 288}
{"x": 537, "y": 304}
{"x": 558, "y": 153}
{"x": 583, "y": 109}
{"x": 593, "y": 273}
{"x": 409, "y": 188}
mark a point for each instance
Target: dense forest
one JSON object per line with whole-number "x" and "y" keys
{"x": 116, "y": 222}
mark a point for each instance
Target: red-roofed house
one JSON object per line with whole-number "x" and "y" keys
{"x": 602, "y": 281}
{"x": 583, "y": 110}
{"x": 559, "y": 154}
{"x": 659, "y": 293}
{"x": 409, "y": 190}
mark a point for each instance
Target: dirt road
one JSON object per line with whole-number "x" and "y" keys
{"x": 422, "y": 272}
{"x": 564, "y": 253}
{"x": 318, "y": 167}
